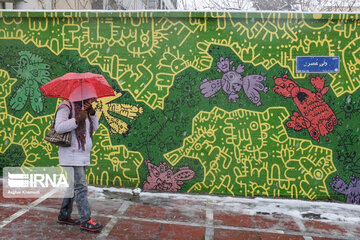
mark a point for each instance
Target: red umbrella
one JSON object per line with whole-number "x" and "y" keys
{"x": 78, "y": 86}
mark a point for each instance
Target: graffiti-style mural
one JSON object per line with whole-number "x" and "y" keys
{"x": 206, "y": 102}
{"x": 116, "y": 125}
{"x": 316, "y": 116}
{"x": 351, "y": 190}
{"x": 34, "y": 73}
{"x": 255, "y": 159}
{"x": 232, "y": 82}
{"x": 163, "y": 178}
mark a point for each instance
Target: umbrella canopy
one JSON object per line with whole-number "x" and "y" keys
{"x": 78, "y": 87}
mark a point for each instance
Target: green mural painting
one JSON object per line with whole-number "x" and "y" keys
{"x": 34, "y": 73}
{"x": 249, "y": 153}
{"x": 206, "y": 102}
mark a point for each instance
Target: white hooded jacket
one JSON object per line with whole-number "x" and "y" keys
{"x": 73, "y": 156}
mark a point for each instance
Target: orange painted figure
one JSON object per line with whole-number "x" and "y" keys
{"x": 316, "y": 115}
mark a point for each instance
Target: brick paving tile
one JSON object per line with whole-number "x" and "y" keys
{"x": 142, "y": 211}
{"x": 229, "y": 234}
{"x": 324, "y": 228}
{"x": 106, "y": 207}
{"x": 42, "y": 225}
{"x": 284, "y": 223}
{"x": 96, "y": 206}
{"x": 132, "y": 229}
{"x": 180, "y": 232}
{"x": 324, "y": 238}
{"x": 276, "y": 236}
{"x": 231, "y": 219}
{"x": 351, "y": 228}
{"x": 6, "y": 212}
{"x": 21, "y": 201}
{"x": 356, "y": 231}
{"x": 188, "y": 203}
{"x": 40, "y": 222}
{"x": 52, "y": 203}
{"x": 185, "y": 216}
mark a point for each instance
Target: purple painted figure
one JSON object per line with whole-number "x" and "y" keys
{"x": 351, "y": 190}
{"x": 232, "y": 82}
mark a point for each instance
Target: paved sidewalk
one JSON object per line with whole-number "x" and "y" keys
{"x": 182, "y": 216}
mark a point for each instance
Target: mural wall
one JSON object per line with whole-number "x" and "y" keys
{"x": 206, "y": 102}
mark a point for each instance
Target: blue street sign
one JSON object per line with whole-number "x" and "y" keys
{"x": 320, "y": 64}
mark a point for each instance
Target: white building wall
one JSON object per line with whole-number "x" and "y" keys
{"x": 72, "y": 4}
{"x": 9, "y": 5}
{"x": 6, "y": 5}
{"x": 33, "y": 4}
{"x": 125, "y": 4}
{"x": 87, "y": 4}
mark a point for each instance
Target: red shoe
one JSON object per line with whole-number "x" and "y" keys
{"x": 91, "y": 226}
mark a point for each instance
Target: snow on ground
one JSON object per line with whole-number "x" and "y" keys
{"x": 329, "y": 211}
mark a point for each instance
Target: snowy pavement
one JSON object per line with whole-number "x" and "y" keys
{"x": 132, "y": 214}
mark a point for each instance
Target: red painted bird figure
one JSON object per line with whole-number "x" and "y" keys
{"x": 316, "y": 115}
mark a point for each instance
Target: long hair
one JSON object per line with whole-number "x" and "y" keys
{"x": 80, "y": 131}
